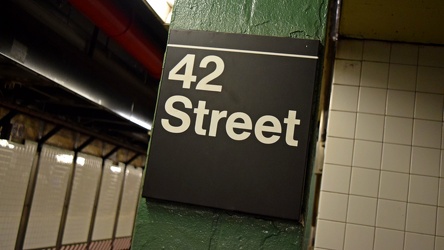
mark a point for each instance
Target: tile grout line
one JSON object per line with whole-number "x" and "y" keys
{"x": 411, "y": 151}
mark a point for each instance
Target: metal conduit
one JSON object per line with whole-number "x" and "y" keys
{"x": 120, "y": 27}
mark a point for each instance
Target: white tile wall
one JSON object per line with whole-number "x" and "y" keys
{"x": 396, "y": 157}
{"x": 361, "y": 210}
{"x": 374, "y": 74}
{"x": 15, "y": 165}
{"x": 367, "y": 154}
{"x": 398, "y": 130}
{"x": 376, "y": 51}
{"x": 404, "y": 54}
{"x": 364, "y": 182}
{"x": 330, "y": 234}
{"x": 131, "y": 191}
{"x": 83, "y": 194}
{"x": 400, "y": 103}
{"x": 421, "y": 218}
{"x": 334, "y": 206}
{"x": 441, "y": 193}
{"x": 439, "y": 243}
{"x": 47, "y": 205}
{"x": 383, "y": 179}
{"x": 425, "y": 161}
{"x": 359, "y": 237}
{"x": 108, "y": 200}
{"x": 418, "y": 241}
{"x": 402, "y": 77}
{"x": 391, "y": 214}
{"x": 337, "y": 179}
{"x": 386, "y": 239}
{"x": 369, "y": 127}
{"x": 393, "y": 186}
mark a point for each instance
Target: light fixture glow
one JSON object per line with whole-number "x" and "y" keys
{"x": 135, "y": 120}
{"x": 80, "y": 161}
{"x": 4, "y": 143}
{"x": 163, "y": 9}
{"x": 64, "y": 158}
{"x": 115, "y": 169}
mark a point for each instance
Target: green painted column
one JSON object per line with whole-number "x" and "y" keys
{"x": 163, "y": 225}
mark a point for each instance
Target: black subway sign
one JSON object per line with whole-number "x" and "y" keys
{"x": 233, "y": 122}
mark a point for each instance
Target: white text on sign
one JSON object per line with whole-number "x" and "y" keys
{"x": 238, "y": 124}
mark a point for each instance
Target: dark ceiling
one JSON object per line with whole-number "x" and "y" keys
{"x": 66, "y": 47}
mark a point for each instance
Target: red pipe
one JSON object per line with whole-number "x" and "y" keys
{"x": 119, "y": 26}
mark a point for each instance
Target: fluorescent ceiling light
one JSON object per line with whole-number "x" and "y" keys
{"x": 163, "y": 9}
{"x": 68, "y": 159}
{"x": 116, "y": 169}
{"x": 64, "y": 158}
{"x": 6, "y": 144}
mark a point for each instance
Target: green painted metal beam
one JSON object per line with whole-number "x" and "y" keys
{"x": 163, "y": 225}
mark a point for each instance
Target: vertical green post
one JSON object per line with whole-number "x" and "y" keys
{"x": 163, "y": 225}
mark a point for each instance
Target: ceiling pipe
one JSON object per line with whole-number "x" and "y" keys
{"x": 120, "y": 27}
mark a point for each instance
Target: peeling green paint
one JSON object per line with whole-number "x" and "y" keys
{"x": 285, "y": 18}
{"x": 162, "y": 225}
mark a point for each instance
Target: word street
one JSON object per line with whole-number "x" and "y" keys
{"x": 239, "y": 125}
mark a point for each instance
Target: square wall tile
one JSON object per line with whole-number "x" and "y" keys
{"x": 425, "y": 161}
{"x": 374, "y": 74}
{"x": 341, "y": 124}
{"x": 347, "y": 72}
{"x": 439, "y": 243}
{"x": 369, "y": 127}
{"x": 400, "y": 103}
{"x": 358, "y": 237}
{"x": 427, "y": 133}
{"x": 440, "y": 222}
{"x": 330, "y": 234}
{"x": 394, "y": 186}
{"x": 402, "y": 77}
{"x": 364, "y": 182}
{"x": 442, "y": 165}
{"x": 428, "y": 106}
{"x": 376, "y": 51}
{"x": 336, "y": 178}
{"x": 431, "y": 56}
{"x": 421, "y": 218}
{"x": 404, "y": 54}
{"x": 344, "y": 98}
{"x": 396, "y": 158}
{"x": 418, "y": 241}
{"x": 386, "y": 239}
{"x": 361, "y": 210}
{"x": 424, "y": 190}
{"x": 350, "y": 49}
{"x": 333, "y": 206}
{"x": 338, "y": 151}
{"x": 430, "y": 80}
{"x": 398, "y": 130}
{"x": 441, "y": 193}
{"x": 391, "y": 214}
{"x": 367, "y": 154}
{"x": 372, "y": 100}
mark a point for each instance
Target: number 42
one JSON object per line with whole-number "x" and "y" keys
{"x": 187, "y": 77}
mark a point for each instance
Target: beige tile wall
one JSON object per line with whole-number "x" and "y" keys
{"x": 383, "y": 177}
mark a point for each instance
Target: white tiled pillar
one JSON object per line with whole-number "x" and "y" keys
{"x": 15, "y": 166}
{"x": 55, "y": 165}
{"x": 128, "y": 206}
{"x": 383, "y": 178}
{"x": 83, "y": 193}
{"x": 108, "y": 200}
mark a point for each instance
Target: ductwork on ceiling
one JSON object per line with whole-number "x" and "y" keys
{"x": 123, "y": 30}
{"x": 41, "y": 49}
